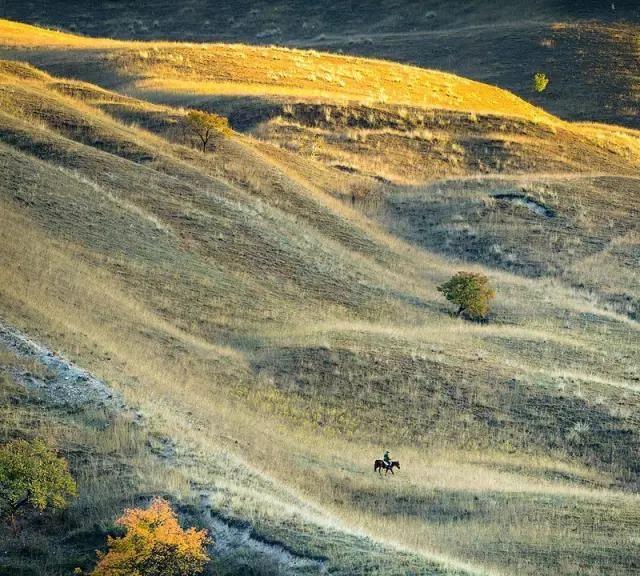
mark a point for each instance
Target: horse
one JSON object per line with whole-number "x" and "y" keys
{"x": 378, "y": 465}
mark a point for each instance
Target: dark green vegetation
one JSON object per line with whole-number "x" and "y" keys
{"x": 540, "y": 82}
{"x": 101, "y": 449}
{"x": 33, "y": 475}
{"x": 471, "y": 292}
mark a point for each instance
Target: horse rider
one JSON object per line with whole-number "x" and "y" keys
{"x": 387, "y": 458}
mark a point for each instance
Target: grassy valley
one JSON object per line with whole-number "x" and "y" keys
{"x": 268, "y": 311}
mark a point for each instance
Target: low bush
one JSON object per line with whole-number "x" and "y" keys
{"x": 471, "y": 292}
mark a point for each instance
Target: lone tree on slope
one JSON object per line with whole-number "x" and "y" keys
{"x": 32, "y": 475}
{"x": 471, "y": 292}
{"x": 206, "y": 126}
{"x": 154, "y": 545}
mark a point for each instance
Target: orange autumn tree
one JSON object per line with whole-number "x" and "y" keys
{"x": 154, "y": 545}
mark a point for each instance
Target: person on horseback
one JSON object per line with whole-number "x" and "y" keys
{"x": 385, "y": 464}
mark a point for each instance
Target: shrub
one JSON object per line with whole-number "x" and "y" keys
{"x": 154, "y": 545}
{"x": 540, "y": 82}
{"x": 33, "y": 475}
{"x": 205, "y": 126}
{"x": 471, "y": 292}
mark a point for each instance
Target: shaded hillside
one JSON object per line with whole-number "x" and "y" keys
{"x": 588, "y": 49}
{"x": 580, "y": 229}
{"x": 249, "y": 20}
{"x": 592, "y": 67}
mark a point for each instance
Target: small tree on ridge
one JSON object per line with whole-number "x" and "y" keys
{"x": 540, "y": 82}
{"x": 206, "y": 125}
{"x": 471, "y": 292}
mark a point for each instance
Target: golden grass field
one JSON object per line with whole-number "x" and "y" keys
{"x": 278, "y": 336}
{"x": 182, "y": 70}
{"x": 588, "y": 49}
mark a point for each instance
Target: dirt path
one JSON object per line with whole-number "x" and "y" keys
{"x": 240, "y": 540}
{"x": 65, "y": 383}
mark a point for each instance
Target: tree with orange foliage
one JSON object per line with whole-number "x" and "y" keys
{"x": 154, "y": 545}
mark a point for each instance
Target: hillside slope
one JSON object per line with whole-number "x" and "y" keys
{"x": 588, "y": 48}
{"x": 261, "y": 322}
{"x": 401, "y": 127}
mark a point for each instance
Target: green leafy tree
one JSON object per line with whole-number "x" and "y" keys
{"x": 471, "y": 292}
{"x": 206, "y": 126}
{"x": 31, "y": 474}
{"x": 154, "y": 545}
{"x": 540, "y": 82}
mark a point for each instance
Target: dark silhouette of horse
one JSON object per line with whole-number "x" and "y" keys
{"x": 380, "y": 465}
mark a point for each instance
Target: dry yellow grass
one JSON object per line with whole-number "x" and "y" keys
{"x": 176, "y": 69}
{"x": 204, "y": 74}
{"x": 258, "y": 320}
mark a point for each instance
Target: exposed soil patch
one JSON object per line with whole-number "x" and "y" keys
{"x": 67, "y": 383}
{"x": 527, "y": 202}
{"x": 238, "y": 540}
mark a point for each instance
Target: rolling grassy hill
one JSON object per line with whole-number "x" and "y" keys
{"x": 588, "y": 48}
{"x": 270, "y": 308}
{"x": 395, "y": 129}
